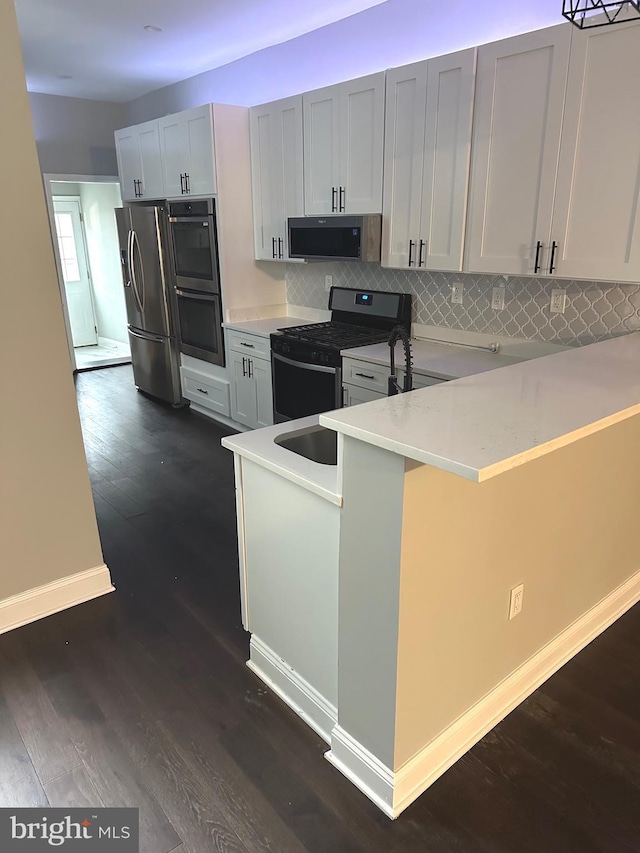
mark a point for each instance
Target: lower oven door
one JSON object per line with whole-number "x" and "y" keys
{"x": 301, "y": 389}
{"x": 200, "y": 325}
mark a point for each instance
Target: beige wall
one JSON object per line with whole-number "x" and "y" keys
{"x": 565, "y": 525}
{"x": 47, "y": 522}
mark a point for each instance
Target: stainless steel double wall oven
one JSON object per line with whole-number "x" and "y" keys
{"x": 197, "y": 279}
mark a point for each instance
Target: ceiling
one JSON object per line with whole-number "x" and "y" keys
{"x": 100, "y": 49}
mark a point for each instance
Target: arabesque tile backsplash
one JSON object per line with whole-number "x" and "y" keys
{"x": 594, "y": 310}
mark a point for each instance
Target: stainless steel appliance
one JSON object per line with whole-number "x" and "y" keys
{"x": 144, "y": 241}
{"x": 306, "y": 362}
{"x": 197, "y": 279}
{"x": 335, "y": 238}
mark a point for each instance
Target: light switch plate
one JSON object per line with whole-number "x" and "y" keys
{"x": 457, "y": 291}
{"x": 515, "y": 600}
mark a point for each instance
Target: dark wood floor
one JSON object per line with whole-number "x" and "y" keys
{"x": 142, "y": 697}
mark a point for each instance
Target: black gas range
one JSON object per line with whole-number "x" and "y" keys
{"x": 306, "y": 360}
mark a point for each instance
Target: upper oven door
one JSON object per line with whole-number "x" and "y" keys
{"x": 301, "y": 389}
{"x": 195, "y": 252}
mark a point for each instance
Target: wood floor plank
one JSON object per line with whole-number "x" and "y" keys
{"x": 73, "y": 790}
{"x": 19, "y": 782}
{"x": 44, "y": 735}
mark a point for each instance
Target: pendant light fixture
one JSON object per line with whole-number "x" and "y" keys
{"x": 600, "y": 13}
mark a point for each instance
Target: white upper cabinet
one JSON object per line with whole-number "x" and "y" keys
{"x": 276, "y": 171}
{"x": 139, "y": 162}
{"x": 596, "y": 221}
{"x": 343, "y": 141}
{"x": 186, "y": 141}
{"x": 426, "y": 162}
{"x": 520, "y": 90}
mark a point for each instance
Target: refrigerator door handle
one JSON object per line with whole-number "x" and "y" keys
{"x": 138, "y": 293}
{"x": 146, "y": 336}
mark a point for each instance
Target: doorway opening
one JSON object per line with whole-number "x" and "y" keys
{"x": 85, "y": 239}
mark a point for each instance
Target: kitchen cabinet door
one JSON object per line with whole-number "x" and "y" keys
{"x": 199, "y": 164}
{"x": 520, "y": 87}
{"x": 243, "y": 394}
{"x": 361, "y": 140}
{"x": 445, "y": 180}
{"x": 129, "y": 162}
{"x": 261, "y": 378}
{"x": 151, "y": 159}
{"x": 277, "y": 177}
{"x": 596, "y": 221}
{"x": 405, "y": 116}
{"x": 321, "y": 113}
{"x": 172, "y": 145}
{"x": 353, "y": 395}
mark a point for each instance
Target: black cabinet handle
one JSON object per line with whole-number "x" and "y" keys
{"x": 273, "y": 247}
{"x": 181, "y": 183}
{"x": 251, "y": 346}
{"x": 366, "y": 376}
{"x": 536, "y": 266}
{"x": 552, "y": 268}
{"x": 187, "y": 183}
{"x": 411, "y": 245}
{"x": 202, "y": 391}
{"x": 244, "y": 366}
{"x": 423, "y": 244}
{"x": 280, "y": 245}
{"x": 343, "y": 199}
{"x": 334, "y": 196}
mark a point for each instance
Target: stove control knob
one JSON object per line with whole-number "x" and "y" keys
{"x": 286, "y": 348}
{"x": 324, "y": 358}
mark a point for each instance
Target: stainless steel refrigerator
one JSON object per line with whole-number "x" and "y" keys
{"x": 148, "y": 289}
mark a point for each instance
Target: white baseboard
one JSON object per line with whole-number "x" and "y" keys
{"x": 52, "y": 597}
{"x": 299, "y": 695}
{"x": 393, "y": 792}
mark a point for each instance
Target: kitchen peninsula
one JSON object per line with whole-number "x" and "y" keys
{"x": 472, "y": 537}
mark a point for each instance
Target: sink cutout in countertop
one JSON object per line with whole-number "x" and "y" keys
{"x": 316, "y": 443}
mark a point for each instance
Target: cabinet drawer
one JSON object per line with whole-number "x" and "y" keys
{"x": 365, "y": 375}
{"x": 354, "y": 395}
{"x": 421, "y": 380}
{"x": 253, "y": 345}
{"x": 206, "y": 391}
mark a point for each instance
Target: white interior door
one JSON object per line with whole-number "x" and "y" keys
{"x": 75, "y": 272}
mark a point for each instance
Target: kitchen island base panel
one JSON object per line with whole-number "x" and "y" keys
{"x": 394, "y": 792}
{"x": 316, "y": 711}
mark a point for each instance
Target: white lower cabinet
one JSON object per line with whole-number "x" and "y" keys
{"x": 353, "y": 395}
{"x": 251, "y": 396}
{"x": 210, "y": 392}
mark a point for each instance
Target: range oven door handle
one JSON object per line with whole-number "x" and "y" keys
{"x": 316, "y": 367}
{"x": 201, "y": 297}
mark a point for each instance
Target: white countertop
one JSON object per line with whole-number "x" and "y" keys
{"x": 482, "y": 425}
{"x": 259, "y": 446}
{"x": 266, "y": 326}
{"x": 445, "y": 361}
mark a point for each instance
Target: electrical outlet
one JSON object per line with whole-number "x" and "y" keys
{"x": 497, "y": 298}
{"x": 328, "y": 282}
{"x": 515, "y": 602}
{"x": 457, "y": 291}
{"x": 558, "y": 300}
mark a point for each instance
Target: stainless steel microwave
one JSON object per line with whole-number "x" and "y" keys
{"x": 336, "y": 238}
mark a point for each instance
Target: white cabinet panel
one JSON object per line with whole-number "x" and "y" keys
{"x": 361, "y": 142}
{"x": 427, "y": 147}
{"x": 321, "y": 111}
{"x": 343, "y": 141}
{"x": 261, "y": 376}
{"x": 596, "y": 222}
{"x": 151, "y": 159}
{"x": 353, "y": 395}
{"x": 243, "y": 397}
{"x": 129, "y": 161}
{"x": 520, "y": 87}
{"x": 277, "y": 176}
{"x": 199, "y": 168}
{"x": 450, "y": 90}
{"x": 403, "y": 158}
{"x": 172, "y": 144}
